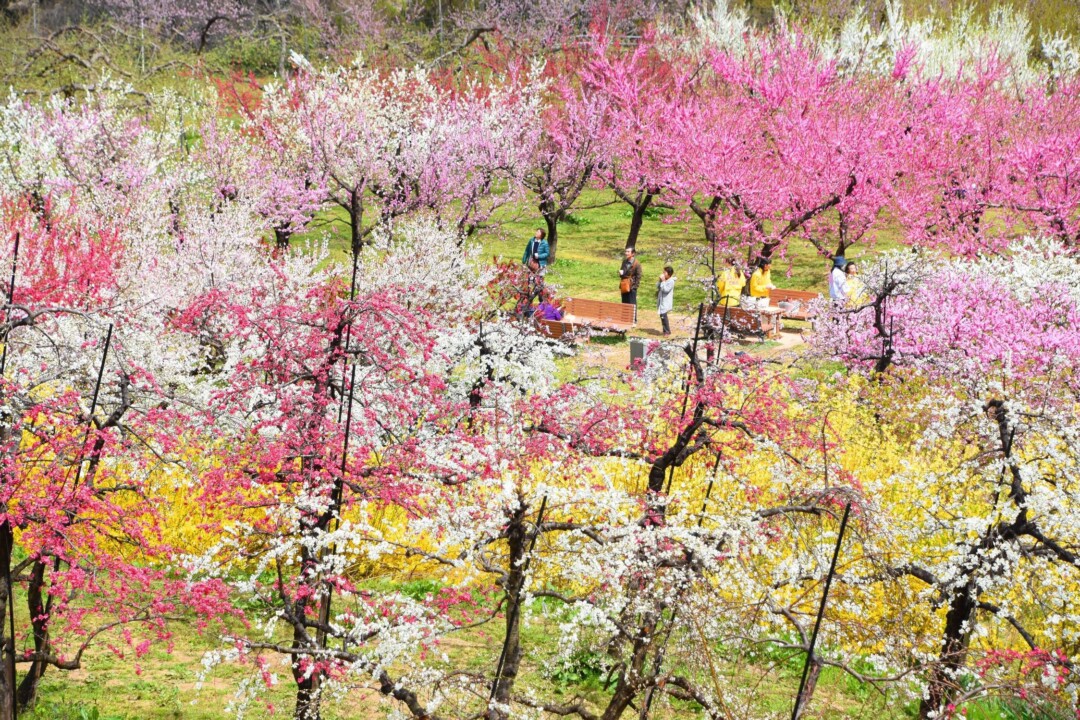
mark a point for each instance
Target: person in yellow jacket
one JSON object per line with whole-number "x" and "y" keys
{"x": 854, "y": 288}
{"x": 761, "y": 284}
{"x": 730, "y": 284}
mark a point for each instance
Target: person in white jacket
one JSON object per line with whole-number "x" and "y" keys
{"x": 665, "y": 293}
{"x": 837, "y": 280}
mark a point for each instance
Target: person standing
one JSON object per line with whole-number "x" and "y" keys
{"x": 730, "y": 284}
{"x": 837, "y": 280}
{"x": 630, "y": 278}
{"x": 854, "y": 288}
{"x": 665, "y": 293}
{"x": 760, "y": 285}
{"x": 537, "y": 251}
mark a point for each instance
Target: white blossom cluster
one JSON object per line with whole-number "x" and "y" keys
{"x": 952, "y": 47}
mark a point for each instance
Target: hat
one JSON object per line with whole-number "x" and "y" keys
{"x": 839, "y": 261}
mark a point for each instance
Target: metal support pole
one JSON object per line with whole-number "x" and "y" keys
{"x": 821, "y": 611}
{"x": 335, "y": 502}
{"x": 10, "y": 300}
{"x": 93, "y": 402}
{"x": 6, "y": 533}
{"x": 723, "y": 329}
{"x": 686, "y": 385}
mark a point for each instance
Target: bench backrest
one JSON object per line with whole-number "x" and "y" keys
{"x": 620, "y": 313}
{"x": 803, "y": 296}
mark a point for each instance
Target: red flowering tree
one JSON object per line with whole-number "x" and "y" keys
{"x": 88, "y": 421}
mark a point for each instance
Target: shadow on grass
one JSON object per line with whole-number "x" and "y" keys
{"x": 610, "y": 340}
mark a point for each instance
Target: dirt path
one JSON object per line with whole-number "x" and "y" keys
{"x": 615, "y": 354}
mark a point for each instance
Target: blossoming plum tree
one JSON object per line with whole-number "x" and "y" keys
{"x": 570, "y": 149}
{"x": 444, "y": 450}
{"x": 642, "y": 93}
{"x": 987, "y": 351}
{"x": 400, "y": 143}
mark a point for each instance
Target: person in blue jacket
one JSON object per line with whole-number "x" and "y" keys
{"x": 536, "y": 252}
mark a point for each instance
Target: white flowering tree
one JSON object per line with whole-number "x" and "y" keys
{"x": 385, "y": 145}
{"x": 986, "y": 353}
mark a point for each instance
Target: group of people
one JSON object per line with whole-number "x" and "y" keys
{"x": 731, "y": 284}
{"x": 845, "y": 286}
{"x": 630, "y": 280}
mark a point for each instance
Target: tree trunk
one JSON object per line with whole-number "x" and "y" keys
{"x": 551, "y": 220}
{"x": 552, "y": 213}
{"x": 630, "y": 680}
{"x": 283, "y": 54}
{"x": 637, "y": 219}
{"x": 39, "y": 619}
{"x": 7, "y": 677}
{"x": 281, "y": 238}
{"x": 708, "y": 215}
{"x": 953, "y": 651}
{"x": 307, "y": 697}
{"x": 517, "y": 538}
{"x": 767, "y": 249}
{"x": 307, "y": 688}
{"x": 356, "y": 218}
{"x": 476, "y": 392}
{"x": 808, "y": 690}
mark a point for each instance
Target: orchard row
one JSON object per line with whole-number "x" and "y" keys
{"x": 202, "y": 424}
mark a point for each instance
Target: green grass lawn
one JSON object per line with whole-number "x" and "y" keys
{"x": 166, "y": 687}
{"x": 590, "y": 250}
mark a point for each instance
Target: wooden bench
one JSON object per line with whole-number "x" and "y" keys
{"x": 554, "y": 329}
{"x": 615, "y": 317}
{"x": 747, "y": 322}
{"x": 803, "y": 297}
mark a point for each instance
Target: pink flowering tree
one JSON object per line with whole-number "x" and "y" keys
{"x": 959, "y": 135}
{"x": 571, "y": 149}
{"x": 253, "y": 170}
{"x": 787, "y": 148}
{"x": 643, "y": 93}
{"x": 95, "y": 158}
{"x": 192, "y": 22}
{"x": 987, "y": 350}
{"x": 1041, "y": 164}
